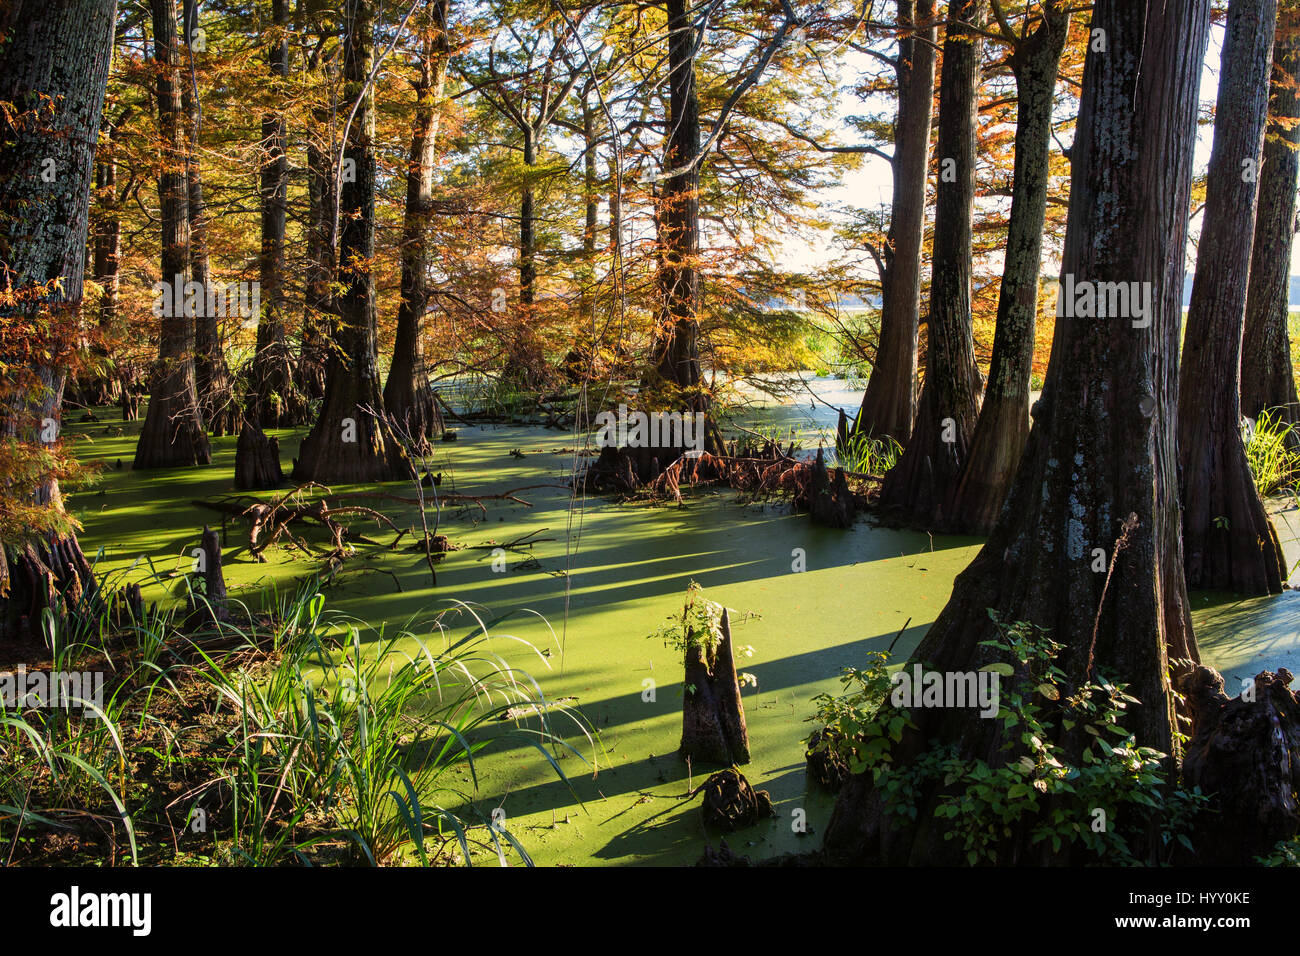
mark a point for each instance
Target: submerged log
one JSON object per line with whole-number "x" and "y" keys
{"x": 257, "y": 459}
{"x": 1244, "y": 753}
{"x": 713, "y": 715}
{"x": 731, "y": 803}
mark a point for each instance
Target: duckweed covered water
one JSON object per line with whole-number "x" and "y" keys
{"x": 627, "y": 569}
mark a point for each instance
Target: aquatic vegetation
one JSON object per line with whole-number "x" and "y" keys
{"x": 293, "y": 734}
{"x": 1270, "y": 453}
{"x": 865, "y": 455}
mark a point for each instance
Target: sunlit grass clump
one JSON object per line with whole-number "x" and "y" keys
{"x": 865, "y": 455}
{"x": 296, "y": 736}
{"x": 1270, "y": 453}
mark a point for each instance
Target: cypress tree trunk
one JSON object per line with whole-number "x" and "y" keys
{"x": 318, "y": 301}
{"x": 1267, "y": 379}
{"x": 105, "y": 387}
{"x": 675, "y": 350}
{"x": 59, "y": 54}
{"x": 351, "y": 441}
{"x": 1003, "y": 424}
{"x": 275, "y": 401}
{"x": 591, "y": 204}
{"x": 917, "y": 488}
{"x": 407, "y": 393}
{"x": 889, "y": 404}
{"x": 172, "y": 434}
{"x": 1103, "y": 445}
{"x": 1228, "y": 541}
{"x": 211, "y": 374}
{"x": 525, "y": 360}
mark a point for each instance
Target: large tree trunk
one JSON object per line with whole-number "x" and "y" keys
{"x": 104, "y": 386}
{"x": 351, "y": 440}
{"x": 318, "y": 299}
{"x": 1103, "y": 446}
{"x": 55, "y": 54}
{"x": 275, "y": 401}
{"x": 1228, "y": 541}
{"x": 407, "y": 393}
{"x": 1003, "y": 424}
{"x": 211, "y": 374}
{"x": 172, "y": 434}
{"x": 916, "y": 490}
{"x": 889, "y": 404}
{"x": 1267, "y": 379}
{"x": 525, "y": 360}
{"x": 675, "y": 350}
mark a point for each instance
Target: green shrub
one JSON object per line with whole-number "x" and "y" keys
{"x": 1033, "y": 783}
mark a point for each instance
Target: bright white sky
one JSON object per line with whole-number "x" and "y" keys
{"x": 871, "y": 184}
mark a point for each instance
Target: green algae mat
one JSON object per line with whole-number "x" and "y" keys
{"x": 601, "y": 577}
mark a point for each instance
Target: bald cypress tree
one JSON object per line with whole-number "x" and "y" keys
{"x": 1101, "y": 462}
{"x": 53, "y": 56}
{"x": 1228, "y": 541}
{"x": 916, "y": 489}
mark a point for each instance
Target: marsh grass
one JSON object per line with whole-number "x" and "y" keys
{"x": 297, "y": 735}
{"x": 1270, "y": 453}
{"x": 868, "y": 456}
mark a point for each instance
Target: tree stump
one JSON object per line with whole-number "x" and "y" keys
{"x": 713, "y": 715}
{"x": 130, "y": 403}
{"x": 829, "y": 500}
{"x": 826, "y": 768}
{"x": 209, "y": 602}
{"x": 842, "y": 433}
{"x": 128, "y": 606}
{"x": 257, "y": 459}
{"x": 1244, "y": 753}
{"x": 723, "y": 855}
{"x": 730, "y": 803}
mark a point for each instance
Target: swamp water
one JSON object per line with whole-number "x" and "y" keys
{"x": 628, "y": 567}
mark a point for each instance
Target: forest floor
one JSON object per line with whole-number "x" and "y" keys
{"x": 628, "y": 565}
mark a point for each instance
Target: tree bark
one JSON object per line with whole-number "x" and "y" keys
{"x": 257, "y": 459}
{"x": 209, "y": 604}
{"x": 318, "y": 299}
{"x": 106, "y": 232}
{"x": 675, "y": 349}
{"x": 1228, "y": 541}
{"x": 351, "y": 440}
{"x": 916, "y": 489}
{"x": 275, "y": 401}
{"x": 211, "y": 374}
{"x": 57, "y": 54}
{"x": 1003, "y": 424}
{"x": 1103, "y": 445}
{"x": 713, "y": 715}
{"x": 172, "y": 434}
{"x": 408, "y": 395}
{"x": 889, "y": 405}
{"x": 1267, "y": 378}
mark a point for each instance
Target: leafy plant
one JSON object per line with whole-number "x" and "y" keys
{"x": 699, "y": 624}
{"x": 1098, "y": 800}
